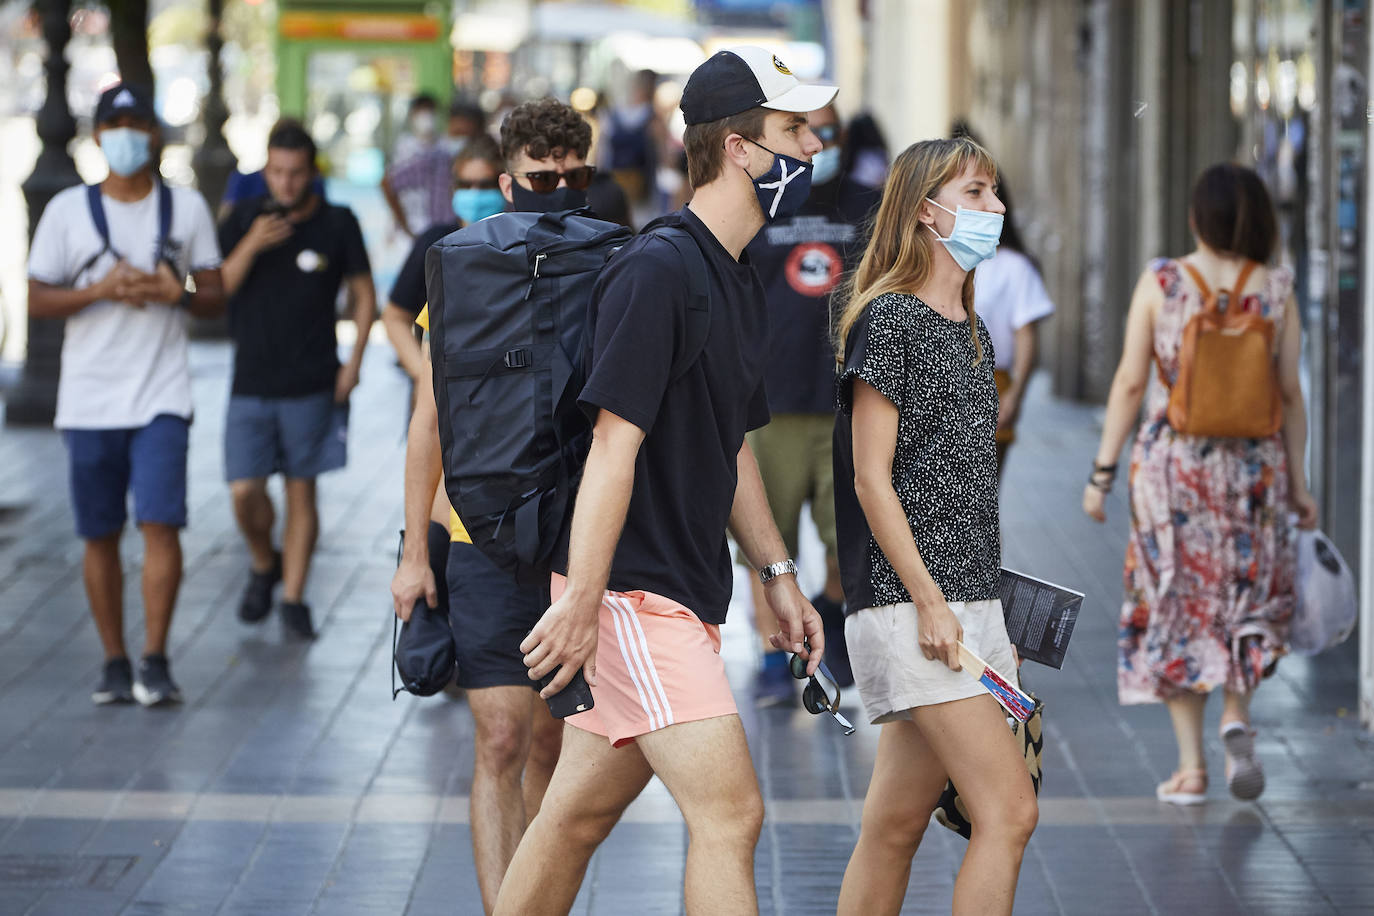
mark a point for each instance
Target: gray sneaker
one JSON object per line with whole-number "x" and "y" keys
{"x": 155, "y": 686}
{"x": 116, "y": 683}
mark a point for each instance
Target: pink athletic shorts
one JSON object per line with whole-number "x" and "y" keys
{"x": 657, "y": 665}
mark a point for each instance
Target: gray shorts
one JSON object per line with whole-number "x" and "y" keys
{"x": 299, "y": 437}
{"x": 892, "y": 674}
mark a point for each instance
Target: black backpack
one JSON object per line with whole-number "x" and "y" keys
{"x": 511, "y": 309}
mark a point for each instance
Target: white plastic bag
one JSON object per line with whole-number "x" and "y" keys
{"x": 1327, "y": 606}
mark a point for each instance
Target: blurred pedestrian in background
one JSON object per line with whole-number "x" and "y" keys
{"x": 920, "y": 552}
{"x": 1011, "y": 300}
{"x": 113, "y": 260}
{"x": 290, "y": 252}
{"x": 1209, "y": 564}
{"x": 865, "y": 159}
{"x": 418, "y": 184}
{"x": 421, "y": 130}
{"x": 476, "y": 194}
{"x": 801, "y": 260}
{"x": 631, "y": 143}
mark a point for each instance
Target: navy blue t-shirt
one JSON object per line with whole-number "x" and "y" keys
{"x": 673, "y": 542}
{"x": 801, "y": 261}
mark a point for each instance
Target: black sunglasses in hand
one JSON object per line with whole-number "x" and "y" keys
{"x": 546, "y": 180}
{"x": 815, "y": 697}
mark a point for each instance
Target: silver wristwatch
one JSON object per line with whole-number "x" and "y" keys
{"x": 780, "y": 568}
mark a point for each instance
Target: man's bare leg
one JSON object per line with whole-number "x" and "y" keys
{"x": 298, "y": 540}
{"x": 255, "y": 515}
{"x": 707, "y": 768}
{"x": 161, "y": 581}
{"x": 591, "y": 786}
{"x": 497, "y": 808}
{"x": 104, "y": 578}
{"x": 546, "y": 740}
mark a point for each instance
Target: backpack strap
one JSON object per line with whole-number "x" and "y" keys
{"x": 1245, "y": 271}
{"x": 698, "y": 288}
{"x": 96, "y": 205}
{"x": 1197, "y": 279}
{"x": 164, "y": 223}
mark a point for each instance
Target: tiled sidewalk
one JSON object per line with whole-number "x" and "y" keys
{"x": 289, "y": 782}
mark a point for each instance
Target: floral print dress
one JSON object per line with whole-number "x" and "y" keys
{"x": 1209, "y": 564}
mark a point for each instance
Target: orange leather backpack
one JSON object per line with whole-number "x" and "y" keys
{"x": 1227, "y": 385}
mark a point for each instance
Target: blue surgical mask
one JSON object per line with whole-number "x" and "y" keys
{"x": 825, "y": 165}
{"x": 126, "y": 149}
{"x": 472, "y": 204}
{"x": 783, "y": 188}
{"x": 974, "y": 237}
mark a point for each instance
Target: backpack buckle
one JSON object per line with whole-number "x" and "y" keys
{"x": 516, "y": 359}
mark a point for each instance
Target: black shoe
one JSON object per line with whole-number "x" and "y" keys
{"x": 296, "y": 617}
{"x": 155, "y": 686}
{"x": 257, "y": 597}
{"x": 836, "y": 650}
{"x": 116, "y": 683}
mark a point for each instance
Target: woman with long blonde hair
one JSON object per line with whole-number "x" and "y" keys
{"x": 920, "y": 550}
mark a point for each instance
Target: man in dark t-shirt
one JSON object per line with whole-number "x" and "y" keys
{"x": 646, "y": 572}
{"x": 289, "y": 253}
{"x": 801, "y": 261}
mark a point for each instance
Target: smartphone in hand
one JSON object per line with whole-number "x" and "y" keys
{"x": 572, "y": 699}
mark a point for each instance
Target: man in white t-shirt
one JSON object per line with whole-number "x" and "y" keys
{"x": 1010, "y": 297}
{"x": 114, "y": 260}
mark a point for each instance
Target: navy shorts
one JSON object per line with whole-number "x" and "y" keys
{"x": 491, "y": 615}
{"x": 106, "y": 463}
{"x": 299, "y": 437}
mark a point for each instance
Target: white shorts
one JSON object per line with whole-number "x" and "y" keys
{"x": 892, "y": 674}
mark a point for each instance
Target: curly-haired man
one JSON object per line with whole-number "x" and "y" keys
{"x": 544, "y": 146}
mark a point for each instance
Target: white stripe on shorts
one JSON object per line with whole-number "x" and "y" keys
{"x": 627, "y": 650}
{"x": 649, "y": 663}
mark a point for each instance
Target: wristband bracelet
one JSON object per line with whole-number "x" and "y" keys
{"x": 780, "y": 568}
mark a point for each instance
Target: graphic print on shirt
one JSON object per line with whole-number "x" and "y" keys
{"x": 814, "y": 269}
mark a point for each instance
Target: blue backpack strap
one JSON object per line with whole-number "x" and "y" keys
{"x": 102, "y": 228}
{"x": 698, "y": 287}
{"x": 164, "y": 223}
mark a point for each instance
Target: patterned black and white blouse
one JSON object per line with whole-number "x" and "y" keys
{"x": 944, "y": 468}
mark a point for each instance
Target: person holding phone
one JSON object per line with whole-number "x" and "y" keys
{"x": 113, "y": 260}
{"x": 920, "y": 549}
{"x": 290, "y": 252}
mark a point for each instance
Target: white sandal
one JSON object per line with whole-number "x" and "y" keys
{"x": 1244, "y": 775}
{"x": 1172, "y": 791}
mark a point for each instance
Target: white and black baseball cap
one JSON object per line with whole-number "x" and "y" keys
{"x": 744, "y": 77}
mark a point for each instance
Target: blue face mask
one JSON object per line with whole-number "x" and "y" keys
{"x": 472, "y": 204}
{"x": 825, "y": 165}
{"x": 974, "y": 237}
{"x": 783, "y": 188}
{"x": 126, "y": 150}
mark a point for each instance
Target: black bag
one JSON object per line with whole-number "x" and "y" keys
{"x": 423, "y": 654}
{"x": 510, "y": 301}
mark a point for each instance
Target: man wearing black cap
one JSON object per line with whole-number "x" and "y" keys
{"x": 647, "y": 574}
{"x": 114, "y": 260}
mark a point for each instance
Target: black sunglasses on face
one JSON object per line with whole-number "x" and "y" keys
{"x": 545, "y": 180}
{"x": 815, "y": 697}
{"x": 486, "y": 184}
{"x": 827, "y": 134}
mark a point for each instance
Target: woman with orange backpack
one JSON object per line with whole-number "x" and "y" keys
{"x": 1216, "y": 468}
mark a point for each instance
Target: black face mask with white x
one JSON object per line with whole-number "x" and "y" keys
{"x": 783, "y": 188}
